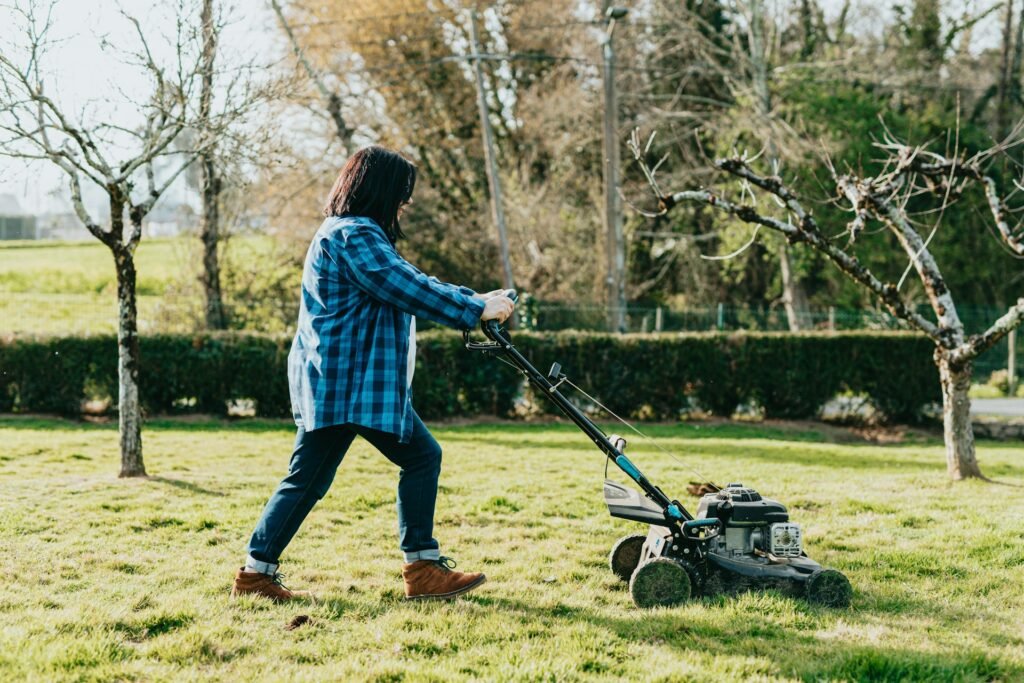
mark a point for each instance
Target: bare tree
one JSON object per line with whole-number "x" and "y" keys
{"x": 909, "y": 172}
{"x": 121, "y": 160}
{"x": 210, "y": 181}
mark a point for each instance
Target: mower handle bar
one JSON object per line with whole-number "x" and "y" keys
{"x": 675, "y": 513}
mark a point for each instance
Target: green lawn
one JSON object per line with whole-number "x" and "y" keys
{"x": 71, "y": 287}
{"x": 106, "y": 579}
{"x": 87, "y": 267}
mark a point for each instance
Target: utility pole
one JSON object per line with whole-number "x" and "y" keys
{"x": 497, "y": 209}
{"x": 612, "y": 215}
{"x": 794, "y": 297}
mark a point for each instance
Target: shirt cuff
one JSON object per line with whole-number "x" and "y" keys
{"x": 471, "y": 314}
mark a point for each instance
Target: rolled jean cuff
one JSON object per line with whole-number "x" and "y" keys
{"x": 254, "y": 565}
{"x": 431, "y": 554}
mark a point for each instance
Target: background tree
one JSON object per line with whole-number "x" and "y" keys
{"x": 402, "y": 78}
{"x": 882, "y": 199}
{"x": 122, "y": 161}
{"x": 210, "y": 180}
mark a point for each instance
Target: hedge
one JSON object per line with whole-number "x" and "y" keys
{"x": 653, "y": 376}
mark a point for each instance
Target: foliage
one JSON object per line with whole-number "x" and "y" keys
{"x": 683, "y": 71}
{"x": 94, "y": 590}
{"x": 647, "y": 376}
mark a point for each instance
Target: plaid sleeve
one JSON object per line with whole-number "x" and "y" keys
{"x": 466, "y": 291}
{"x": 383, "y": 274}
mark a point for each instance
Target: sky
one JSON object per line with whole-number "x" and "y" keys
{"x": 86, "y": 72}
{"x": 88, "y": 77}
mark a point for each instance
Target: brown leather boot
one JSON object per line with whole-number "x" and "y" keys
{"x": 435, "y": 580}
{"x": 255, "y": 583}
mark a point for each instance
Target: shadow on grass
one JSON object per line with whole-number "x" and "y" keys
{"x": 186, "y": 485}
{"x": 799, "y": 653}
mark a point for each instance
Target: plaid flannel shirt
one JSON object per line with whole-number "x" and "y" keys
{"x": 348, "y": 361}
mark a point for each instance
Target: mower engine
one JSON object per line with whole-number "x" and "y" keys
{"x": 751, "y": 523}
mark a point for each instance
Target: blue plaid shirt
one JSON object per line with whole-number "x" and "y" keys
{"x": 348, "y": 360}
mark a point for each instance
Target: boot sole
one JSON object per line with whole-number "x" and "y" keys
{"x": 448, "y": 596}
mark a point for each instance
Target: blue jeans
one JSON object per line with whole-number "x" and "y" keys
{"x": 311, "y": 471}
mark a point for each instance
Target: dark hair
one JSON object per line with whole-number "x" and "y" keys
{"x": 374, "y": 182}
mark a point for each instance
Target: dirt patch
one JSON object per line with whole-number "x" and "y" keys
{"x": 297, "y": 622}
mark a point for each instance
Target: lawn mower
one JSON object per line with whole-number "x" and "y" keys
{"x": 737, "y": 541}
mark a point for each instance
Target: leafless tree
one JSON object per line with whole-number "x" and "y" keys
{"x": 210, "y": 181}
{"x": 121, "y": 160}
{"x": 910, "y": 171}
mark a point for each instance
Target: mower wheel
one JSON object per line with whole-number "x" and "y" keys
{"x": 662, "y": 582}
{"x": 828, "y": 587}
{"x": 625, "y": 555}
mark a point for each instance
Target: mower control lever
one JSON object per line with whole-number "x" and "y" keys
{"x": 555, "y": 373}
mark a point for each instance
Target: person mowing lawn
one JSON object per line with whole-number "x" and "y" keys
{"x": 350, "y": 370}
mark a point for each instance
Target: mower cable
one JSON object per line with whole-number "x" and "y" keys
{"x": 610, "y": 412}
{"x": 652, "y": 440}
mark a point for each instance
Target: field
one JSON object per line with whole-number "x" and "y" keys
{"x": 128, "y": 580}
{"x": 71, "y": 287}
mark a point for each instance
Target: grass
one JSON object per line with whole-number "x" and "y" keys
{"x": 87, "y": 267}
{"x": 71, "y": 287}
{"x": 106, "y": 579}
{"x": 989, "y": 391}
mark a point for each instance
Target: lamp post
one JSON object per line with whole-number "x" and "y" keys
{"x": 612, "y": 215}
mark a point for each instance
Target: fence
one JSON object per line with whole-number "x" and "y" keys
{"x": 85, "y": 313}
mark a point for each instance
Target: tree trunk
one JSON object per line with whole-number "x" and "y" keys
{"x": 128, "y": 408}
{"x": 958, "y": 433}
{"x": 793, "y": 296}
{"x": 211, "y": 184}
{"x": 210, "y": 235}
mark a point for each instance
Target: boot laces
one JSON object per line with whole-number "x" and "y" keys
{"x": 445, "y": 563}
{"x": 278, "y": 580}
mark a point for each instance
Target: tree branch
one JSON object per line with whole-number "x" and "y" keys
{"x": 980, "y": 343}
{"x": 999, "y": 213}
{"x": 805, "y": 229}
{"x": 886, "y": 292}
{"x": 332, "y": 100}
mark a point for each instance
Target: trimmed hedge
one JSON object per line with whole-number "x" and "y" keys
{"x": 652, "y": 376}
{"x": 789, "y": 375}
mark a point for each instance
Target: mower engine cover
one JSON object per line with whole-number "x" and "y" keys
{"x": 751, "y": 523}
{"x": 737, "y": 505}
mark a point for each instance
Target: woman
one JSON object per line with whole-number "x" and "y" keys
{"x": 350, "y": 369}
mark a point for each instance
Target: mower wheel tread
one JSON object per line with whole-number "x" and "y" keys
{"x": 625, "y": 555}
{"x": 829, "y": 588}
{"x": 662, "y": 582}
